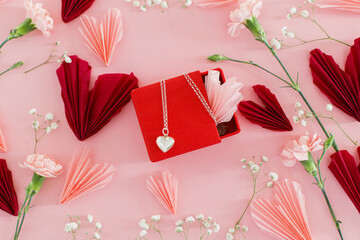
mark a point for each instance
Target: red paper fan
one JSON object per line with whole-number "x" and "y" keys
{"x": 8, "y": 197}
{"x": 341, "y": 87}
{"x": 272, "y": 116}
{"x": 87, "y": 111}
{"x": 71, "y": 9}
{"x": 344, "y": 168}
{"x": 3, "y": 147}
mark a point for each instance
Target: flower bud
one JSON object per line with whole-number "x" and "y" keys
{"x": 310, "y": 165}
{"x": 256, "y": 29}
{"x": 24, "y": 28}
{"x": 218, "y": 58}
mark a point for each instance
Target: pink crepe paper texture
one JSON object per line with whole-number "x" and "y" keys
{"x": 223, "y": 98}
{"x": 348, "y": 5}
{"x": 103, "y": 38}
{"x": 3, "y": 147}
{"x": 285, "y": 217}
{"x": 84, "y": 177}
{"x": 214, "y": 3}
{"x": 165, "y": 190}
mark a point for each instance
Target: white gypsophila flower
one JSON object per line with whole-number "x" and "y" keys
{"x": 209, "y": 232}
{"x": 304, "y": 122}
{"x": 143, "y": 8}
{"x": 136, "y": 3}
{"x": 311, "y": 1}
{"x": 206, "y": 224}
{"x": 309, "y": 114}
{"x": 68, "y": 228}
{"x": 98, "y": 225}
{"x": 190, "y": 219}
{"x": 178, "y": 229}
{"x": 216, "y": 228}
{"x": 73, "y": 225}
{"x": 49, "y": 116}
{"x": 329, "y": 107}
{"x": 57, "y": 43}
{"x": 200, "y": 216}
{"x": 32, "y": 111}
{"x": 245, "y": 228}
{"x": 209, "y": 218}
{"x": 293, "y": 10}
{"x": 269, "y": 184}
{"x": 188, "y": 3}
{"x": 155, "y": 218}
{"x": 304, "y": 13}
{"x": 143, "y": 224}
{"x": 97, "y": 235}
{"x": 143, "y": 233}
{"x": 244, "y": 167}
{"x": 36, "y": 125}
{"x": 264, "y": 159}
{"x": 276, "y": 43}
{"x": 90, "y": 218}
{"x": 297, "y": 104}
{"x": 229, "y": 236}
{"x": 273, "y": 176}
{"x": 290, "y": 35}
{"x": 128, "y": 1}
{"x": 164, "y": 5}
{"x": 250, "y": 163}
{"x": 255, "y": 168}
{"x": 54, "y": 125}
{"x": 67, "y": 59}
{"x": 179, "y": 223}
{"x": 288, "y": 16}
{"x": 296, "y": 119}
{"x": 59, "y": 61}
{"x": 157, "y": 2}
{"x": 149, "y": 3}
{"x": 300, "y": 113}
{"x": 243, "y": 160}
{"x": 238, "y": 227}
{"x": 231, "y": 230}
{"x": 48, "y": 130}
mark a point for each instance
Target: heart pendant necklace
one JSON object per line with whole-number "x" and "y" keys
{"x": 165, "y": 142}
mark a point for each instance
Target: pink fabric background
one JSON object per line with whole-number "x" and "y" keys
{"x": 156, "y": 46}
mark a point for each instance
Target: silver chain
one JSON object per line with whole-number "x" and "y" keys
{"x": 165, "y": 130}
{"x": 200, "y": 96}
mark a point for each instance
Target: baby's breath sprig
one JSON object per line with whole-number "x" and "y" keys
{"x": 75, "y": 224}
{"x": 143, "y": 5}
{"x": 303, "y": 11}
{"x": 53, "y": 58}
{"x": 303, "y": 116}
{"x": 254, "y": 170}
{"x": 48, "y": 126}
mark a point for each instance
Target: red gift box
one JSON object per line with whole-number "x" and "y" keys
{"x": 189, "y": 122}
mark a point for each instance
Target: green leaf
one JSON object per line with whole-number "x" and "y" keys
{"x": 329, "y": 142}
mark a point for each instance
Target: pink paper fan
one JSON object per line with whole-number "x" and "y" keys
{"x": 2, "y": 1}
{"x": 85, "y": 177}
{"x": 3, "y": 147}
{"x": 284, "y": 218}
{"x": 165, "y": 190}
{"x": 223, "y": 98}
{"x": 348, "y": 5}
{"x": 103, "y": 38}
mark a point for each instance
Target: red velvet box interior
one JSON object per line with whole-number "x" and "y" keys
{"x": 189, "y": 123}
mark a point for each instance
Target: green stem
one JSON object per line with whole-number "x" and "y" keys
{"x": 20, "y": 214}
{"x": 337, "y": 222}
{"x": 249, "y": 203}
{"x": 329, "y": 37}
{"x": 305, "y": 42}
{"x": 36, "y": 67}
{"x": 15, "y": 65}
{"x": 23, "y": 216}
{"x": 3, "y": 43}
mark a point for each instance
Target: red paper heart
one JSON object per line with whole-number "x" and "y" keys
{"x": 87, "y": 111}
{"x": 8, "y": 197}
{"x": 71, "y": 9}
{"x": 341, "y": 87}
{"x": 272, "y": 116}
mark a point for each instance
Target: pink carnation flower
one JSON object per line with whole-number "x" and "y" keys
{"x": 245, "y": 11}
{"x": 40, "y": 17}
{"x": 44, "y": 165}
{"x": 297, "y": 149}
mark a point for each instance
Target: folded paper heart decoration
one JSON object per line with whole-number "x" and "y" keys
{"x": 165, "y": 190}
{"x": 102, "y": 38}
{"x": 341, "y": 87}
{"x": 8, "y": 197}
{"x": 272, "y": 116}
{"x": 87, "y": 111}
{"x": 71, "y": 9}
{"x": 284, "y": 218}
{"x": 84, "y": 176}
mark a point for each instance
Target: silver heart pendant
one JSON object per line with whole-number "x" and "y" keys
{"x": 165, "y": 143}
